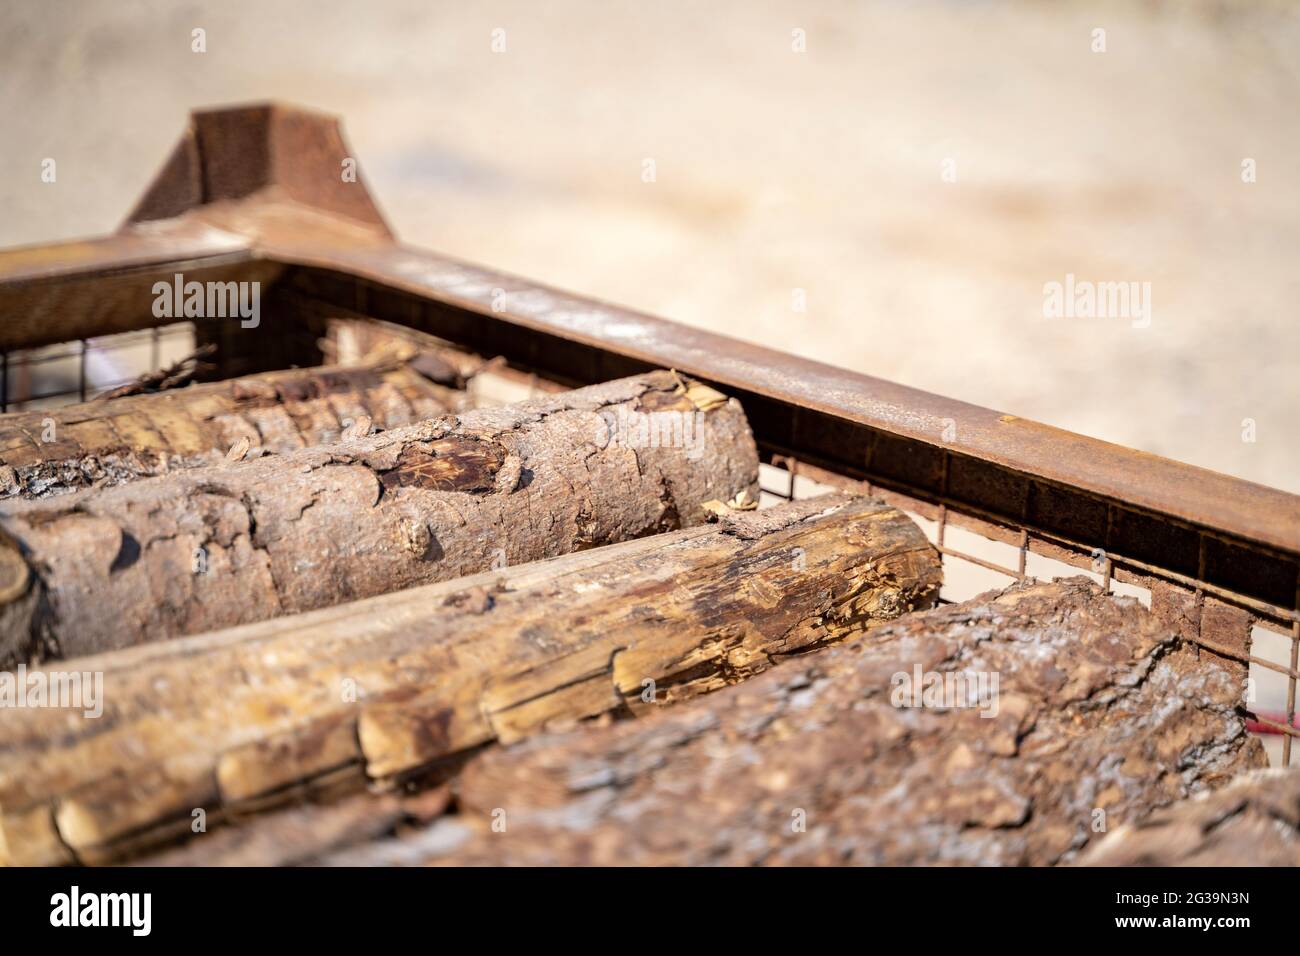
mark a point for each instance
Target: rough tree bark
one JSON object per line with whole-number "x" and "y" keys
{"x": 113, "y": 441}
{"x": 820, "y": 762}
{"x": 388, "y": 686}
{"x": 214, "y": 547}
{"x": 1253, "y": 821}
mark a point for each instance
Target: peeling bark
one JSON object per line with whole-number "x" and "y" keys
{"x": 405, "y": 682}
{"x": 114, "y": 441}
{"x": 1253, "y": 821}
{"x": 213, "y": 547}
{"x": 814, "y": 764}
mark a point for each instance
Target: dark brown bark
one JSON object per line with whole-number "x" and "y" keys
{"x": 1253, "y": 821}
{"x": 212, "y": 547}
{"x": 237, "y": 719}
{"x": 814, "y": 763}
{"x": 113, "y": 441}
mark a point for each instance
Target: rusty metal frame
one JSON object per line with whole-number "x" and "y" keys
{"x": 255, "y": 194}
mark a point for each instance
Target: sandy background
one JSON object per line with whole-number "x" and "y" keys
{"x": 776, "y": 171}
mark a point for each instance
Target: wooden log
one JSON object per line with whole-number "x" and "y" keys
{"x": 830, "y": 760}
{"x": 1253, "y": 821}
{"x": 213, "y": 547}
{"x": 113, "y": 441}
{"x": 302, "y": 834}
{"x": 401, "y": 683}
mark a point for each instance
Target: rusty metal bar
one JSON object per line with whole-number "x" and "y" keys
{"x": 79, "y": 290}
{"x": 990, "y": 565}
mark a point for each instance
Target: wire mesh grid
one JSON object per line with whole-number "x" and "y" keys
{"x": 76, "y": 371}
{"x": 788, "y": 478}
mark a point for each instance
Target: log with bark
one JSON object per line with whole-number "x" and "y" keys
{"x": 117, "y": 440}
{"x": 878, "y": 751}
{"x": 388, "y": 687}
{"x": 213, "y": 547}
{"x": 304, "y": 833}
{"x": 1253, "y": 821}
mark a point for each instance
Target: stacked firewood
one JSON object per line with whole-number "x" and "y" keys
{"x": 338, "y": 615}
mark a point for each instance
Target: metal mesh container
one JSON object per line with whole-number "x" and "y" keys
{"x": 256, "y": 195}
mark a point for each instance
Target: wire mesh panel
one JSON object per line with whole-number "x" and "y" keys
{"x": 72, "y": 372}
{"x": 986, "y": 556}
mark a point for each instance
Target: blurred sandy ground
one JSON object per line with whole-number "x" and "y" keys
{"x": 776, "y": 171}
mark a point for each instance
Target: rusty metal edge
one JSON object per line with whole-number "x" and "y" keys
{"x": 144, "y": 247}
{"x": 1197, "y": 496}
